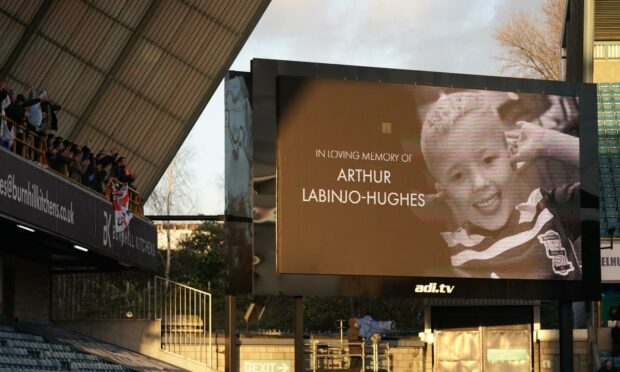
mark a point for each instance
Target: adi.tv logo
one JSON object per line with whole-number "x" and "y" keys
{"x": 433, "y": 287}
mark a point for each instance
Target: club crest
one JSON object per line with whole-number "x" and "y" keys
{"x": 560, "y": 263}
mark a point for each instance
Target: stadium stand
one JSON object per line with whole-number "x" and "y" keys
{"x": 26, "y": 352}
{"x": 133, "y": 76}
{"x": 101, "y": 172}
{"x": 609, "y": 155}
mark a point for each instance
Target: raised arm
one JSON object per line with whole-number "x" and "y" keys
{"x": 534, "y": 141}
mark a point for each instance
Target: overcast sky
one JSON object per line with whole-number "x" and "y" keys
{"x": 432, "y": 35}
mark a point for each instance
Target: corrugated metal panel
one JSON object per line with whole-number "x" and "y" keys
{"x": 171, "y": 12}
{"x": 36, "y": 60}
{"x": 66, "y": 122}
{"x": 83, "y": 90}
{"x": 216, "y": 9}
{"x": 139, "y": 65}
{"x": 127, "y": 12}
{"x": 63, "y": 75}
{"x": 22, "y": 10}
{"x": 607, "y": 50}
{"x": 133, "y": 74}
{"x": 93, "y": 29}
{"x": 108, "y": 51}
{"x": 11, "y": 31}
{"x": 238, "y": 8}
{"x": 606, "y": 20}
{"x": 62, "y": 21}
{"x": 119, "y": 103}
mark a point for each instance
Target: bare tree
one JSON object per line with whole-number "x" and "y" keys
{"x": 530, "y": 44}
{"x": 172, "y": 195}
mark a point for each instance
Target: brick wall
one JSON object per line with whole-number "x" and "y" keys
{"x": 547, "y": 352}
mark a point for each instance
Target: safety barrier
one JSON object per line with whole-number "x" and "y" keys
{"x": 185, "y": 312}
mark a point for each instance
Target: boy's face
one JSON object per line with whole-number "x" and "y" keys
{"x": 472, "y": 165}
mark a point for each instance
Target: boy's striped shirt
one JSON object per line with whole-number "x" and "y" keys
{"x": 537, "y": 242}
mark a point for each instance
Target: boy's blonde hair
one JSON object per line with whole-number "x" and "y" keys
{"x": 444, "y": 113}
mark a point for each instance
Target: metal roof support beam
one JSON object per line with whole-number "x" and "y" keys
{"x": 205, "y": 99}
{"x": 109, "y": 76}
{"x": 29, "y": 32}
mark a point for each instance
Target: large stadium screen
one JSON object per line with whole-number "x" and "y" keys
{"x": 391, "y": 179}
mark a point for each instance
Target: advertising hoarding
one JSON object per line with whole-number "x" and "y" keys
{"x": 610, "y": 263}
{"x": 48, "y": 201}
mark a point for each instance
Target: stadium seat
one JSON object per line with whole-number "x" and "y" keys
{"x": 605, "y": 170}
{"x": 604, "y": 353}
{"x": 19, "y": 336}
{"x": 613, "y": 149}
{"x": 5, "y": 350}
{"x": 26, "y": 352}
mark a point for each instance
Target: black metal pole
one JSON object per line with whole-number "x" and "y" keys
{"x": 299, "y": 334}
{"x": 566, "y": 336}
{"x": 231, "y": 335}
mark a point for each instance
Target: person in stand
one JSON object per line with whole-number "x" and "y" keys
{"x": 122, "y": 173}
{"x": 79, "y": 165}
{"x": 607, "y": 366}
{"x": 17, "y": 112}
{"x": 61, "y": 157}
{"x": 48, "y": 109}
{"x": 614, "y": 314}
{"x": 7, "y": 132}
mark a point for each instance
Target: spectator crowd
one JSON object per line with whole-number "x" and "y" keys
{"x": 37, "y": 123}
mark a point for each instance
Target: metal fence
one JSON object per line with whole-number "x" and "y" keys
{"x": 186, "y": 320}
{"x": 185, "y": 312}
{"x": 374, "y": 356}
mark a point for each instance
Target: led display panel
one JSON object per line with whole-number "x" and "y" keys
{"x": 411, "y": 180}
{"x": 383, "y": 182}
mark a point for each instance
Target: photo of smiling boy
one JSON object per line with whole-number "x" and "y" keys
{"x": 505, "y": 228}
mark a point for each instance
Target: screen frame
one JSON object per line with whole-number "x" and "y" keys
{"x": 267, "y": 281}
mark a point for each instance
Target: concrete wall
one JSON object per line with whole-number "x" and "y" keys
{"x": 408, "y": 355}
{"x": 405, "y": 355}
{"x": 606, "y": 71}
{"x": 142, "y": 336}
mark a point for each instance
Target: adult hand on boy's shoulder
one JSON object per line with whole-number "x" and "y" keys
{"x": 527, "y": 143}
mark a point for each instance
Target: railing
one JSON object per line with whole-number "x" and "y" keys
{"x": 186, "y": 320}
{"x": 337, "y": 355}
{"x": 89, "y": 296}
{"x": 28, "y": 143}
{"x": 185, "y": 312}
{"x": 33, "y": 146}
